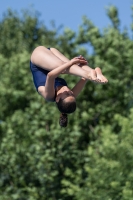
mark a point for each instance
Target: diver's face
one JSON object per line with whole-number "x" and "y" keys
{"x": 65, "y": 94}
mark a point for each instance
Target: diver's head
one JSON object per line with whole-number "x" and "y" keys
{"x": 66, "y": 104}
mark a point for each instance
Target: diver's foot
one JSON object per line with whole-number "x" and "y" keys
{"x": 92, "y": 76}
{"x": 102, "y": 79}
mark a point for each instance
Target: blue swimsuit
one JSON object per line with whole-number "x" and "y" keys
{"x": 40, "y": 75}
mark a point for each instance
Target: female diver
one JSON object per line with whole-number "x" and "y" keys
{"x": 47, "y": 64}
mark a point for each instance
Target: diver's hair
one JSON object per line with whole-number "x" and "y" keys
{"x": 63, "y": 120}
{"x": 66, "y": 107}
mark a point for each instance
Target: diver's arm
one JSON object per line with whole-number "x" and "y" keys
{"x": 49, "y": 92}
{"x": 58, "y": 70}
{"x": 79, "y": 86}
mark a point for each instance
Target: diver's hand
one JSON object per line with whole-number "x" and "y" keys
{"x": 78, "y": 60}
{"x": 82, "y": 58}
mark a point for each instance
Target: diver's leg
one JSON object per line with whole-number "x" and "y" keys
{"x": 92, "y": 72}
{"x": 45, "y": 59}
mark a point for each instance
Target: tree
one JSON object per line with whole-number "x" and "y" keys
{"x": 109, "y": 173}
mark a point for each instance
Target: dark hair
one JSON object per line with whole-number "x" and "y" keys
{"x": 65, "y": 108}
{"x": 63, "y": 120}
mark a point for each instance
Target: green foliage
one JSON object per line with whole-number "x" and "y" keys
{"x": 25, "y": 33}
{"x": 112, "y": 12}
{"x": 92, "y": 157}
{"x": 109, "y": 173}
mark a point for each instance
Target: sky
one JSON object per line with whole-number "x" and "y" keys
{"x": 69, "y": 12}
